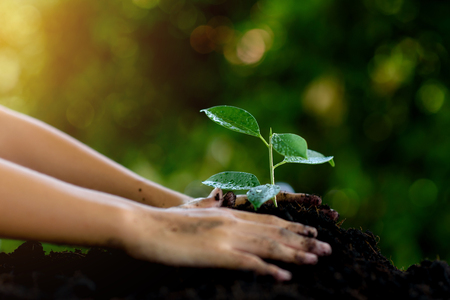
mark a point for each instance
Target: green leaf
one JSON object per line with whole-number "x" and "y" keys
{"x": 289, "y": 144}
{"x": 260, "y": 194}
{"x": 233, "y": 118}
{"x": 314, "y": 158}
{"x": 234, "y": 181}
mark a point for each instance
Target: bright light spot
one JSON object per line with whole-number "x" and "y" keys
{"x": 147, "y": 4}
{"x": 252, "y": 46}
{"x": 9, "y": 70}
{"x": 80, "y": 114}
{"x": 423, "y": 192}
{"x": 324, "y": 98}
{"x": 431, "y": 96}
{"x": 377, "y": 127}
{"x": 267, "y": 35}
{"x": 389, "y": 69}
{"x": 18, "y": 22}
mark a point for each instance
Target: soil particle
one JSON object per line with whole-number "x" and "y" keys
{"x": 229, "y": 200}
{"x": 356, "y": 269}
{"x": 201, "y": 225}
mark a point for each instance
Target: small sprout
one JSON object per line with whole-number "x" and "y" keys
{"x": 293, "y": 147}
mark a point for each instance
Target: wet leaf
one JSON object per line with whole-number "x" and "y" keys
{"x": 314, "y": 158}
{"x": 289, "y": 144}
{"x": 260, "y": 194}
{"x": 233, "y": 118}
{"x": 234, "y": 181}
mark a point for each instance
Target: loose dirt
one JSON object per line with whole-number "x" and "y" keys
{"x": 355, "y": 270}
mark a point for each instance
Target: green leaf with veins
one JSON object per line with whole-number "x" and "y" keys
{"x": 260, "y": 194}
{"x": 234, "y": 118}
{"x": 314, "y": 158}
{"x": 289, "y": 144}
{"x": 233, "y": 181}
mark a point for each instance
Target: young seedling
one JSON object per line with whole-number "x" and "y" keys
{"x": 293, "y": 147}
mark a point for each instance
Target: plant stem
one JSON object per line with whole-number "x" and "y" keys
{"x": 272, "y": 169}
{"x": 263, "y": 140}
{"x": 279, "y": 164}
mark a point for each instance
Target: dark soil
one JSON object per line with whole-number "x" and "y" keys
{"x": 355, "y": 270}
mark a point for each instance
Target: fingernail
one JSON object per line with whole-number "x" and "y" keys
{"x": 310, "y": 259}
{"x": 283, "y": 275}
{"x": 324, "y": 248}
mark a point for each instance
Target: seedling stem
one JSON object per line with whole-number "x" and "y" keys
{"x": 272, "y": 169}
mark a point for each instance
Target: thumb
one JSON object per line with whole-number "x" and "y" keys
{"x": 214, "y": 199}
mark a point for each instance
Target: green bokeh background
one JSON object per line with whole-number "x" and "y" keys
{"x": 365, "y": 81}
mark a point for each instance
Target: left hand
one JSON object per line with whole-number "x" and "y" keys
{"x": 216, "y": 198}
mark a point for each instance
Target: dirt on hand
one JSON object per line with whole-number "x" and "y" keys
{"x": 355, "y": 270}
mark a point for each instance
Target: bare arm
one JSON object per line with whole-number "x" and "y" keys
{"x": 38, "y": 146}
{"x": 39, "y": 207}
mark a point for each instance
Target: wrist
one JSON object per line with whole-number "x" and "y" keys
{"x": 145, "y": 232}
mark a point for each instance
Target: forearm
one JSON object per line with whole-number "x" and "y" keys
{"x": 38, "y": 207}
{"x": 38, "y": 146}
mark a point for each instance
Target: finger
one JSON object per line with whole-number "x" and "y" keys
{"x": 214, "y": 199}
{"x": 288, "y": 238}
{"x": 247, "y": 261}
{"x": 216, "y": 193}
{"x": 269, "y": 248}
{"x": 272, "y": 220}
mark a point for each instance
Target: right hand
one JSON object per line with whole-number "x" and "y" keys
{"x": 221, "y": 237}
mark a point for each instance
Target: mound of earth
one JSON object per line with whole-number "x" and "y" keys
{"x": 355, "y": 270}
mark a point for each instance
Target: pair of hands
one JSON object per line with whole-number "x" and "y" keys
{"x": 202, "y": 234}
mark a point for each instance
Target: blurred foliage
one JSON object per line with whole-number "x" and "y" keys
{"x": 365, "y": 81}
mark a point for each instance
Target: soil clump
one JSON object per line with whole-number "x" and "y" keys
{"x": 355, "y": 270}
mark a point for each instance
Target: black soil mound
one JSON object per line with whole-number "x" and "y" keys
{"x": 355, "y": 270}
